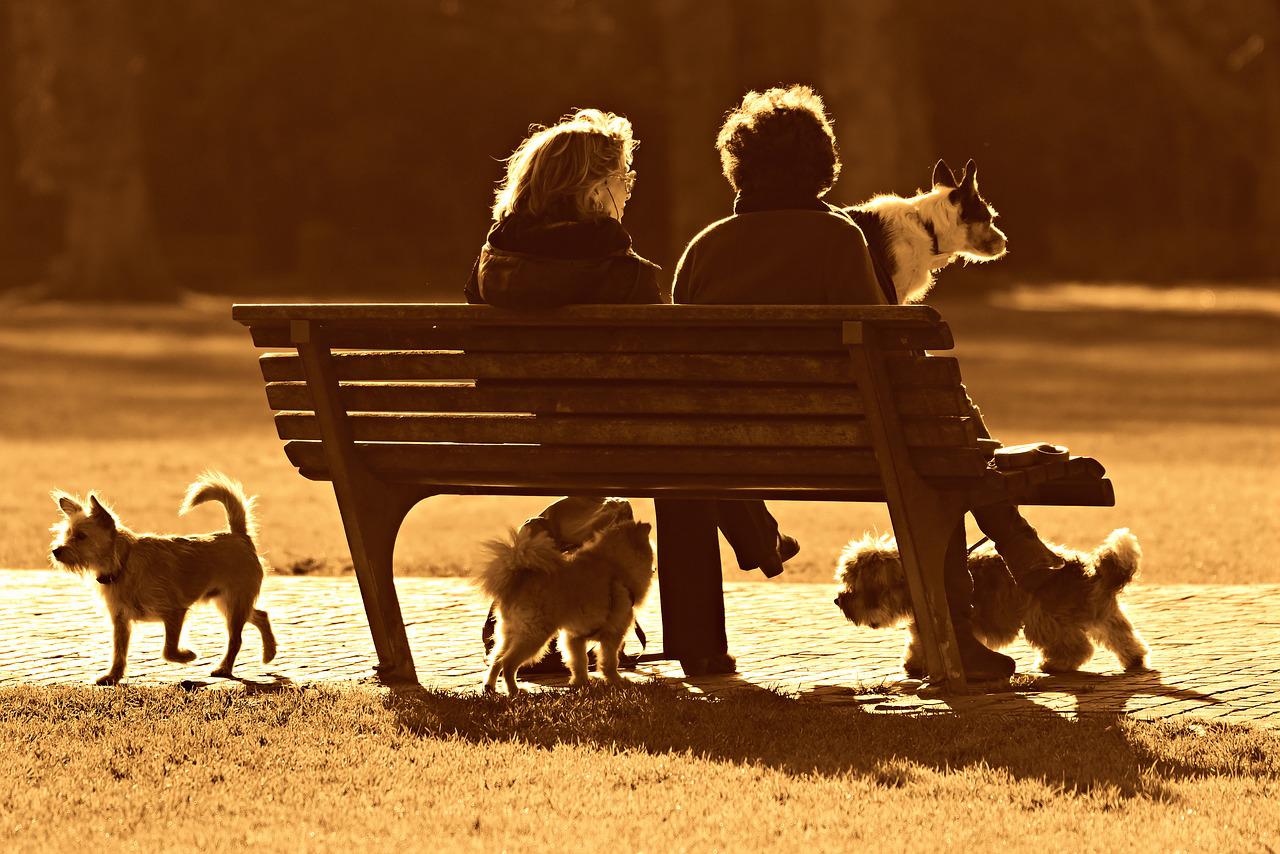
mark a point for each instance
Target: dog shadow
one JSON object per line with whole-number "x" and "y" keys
{"x": 801, "y": 738}
{"x": 274, "y": 684}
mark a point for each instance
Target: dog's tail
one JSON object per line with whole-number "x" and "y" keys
{"x": 215, "y": 486}
{"x": 1116, "y": 560}
{"x": 522, "y": 552}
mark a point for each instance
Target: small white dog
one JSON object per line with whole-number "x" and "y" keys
{"x": 154, "y": 577}
{"x": 587, "y": 595}
{"x": 911, "y": 239}
{"x": 1077, "y": 607}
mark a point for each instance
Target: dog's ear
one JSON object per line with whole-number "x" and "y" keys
{"x": 99, "y": 513}
{"x": 943, "y": 176}
{"x": 66, "y": 503}
{"x": 970, "y": 180}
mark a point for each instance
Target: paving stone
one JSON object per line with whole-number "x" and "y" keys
{"x": 1210, "y": 644}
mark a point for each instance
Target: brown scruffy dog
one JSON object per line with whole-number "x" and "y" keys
{"x": 588, "y": 595}
{"x": 153, "y": 577}
{"x": 1063, "y": 619}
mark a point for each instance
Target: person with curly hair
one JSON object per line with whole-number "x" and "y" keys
{"x": 557, "y": 236}
{"x": 784, "y": 245}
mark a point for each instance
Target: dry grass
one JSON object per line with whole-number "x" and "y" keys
{"x": 646, "y": 768}
{"x": 1180, "y": 407}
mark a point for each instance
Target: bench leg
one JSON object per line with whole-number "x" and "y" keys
{"x": 371, "y": 509}
{"x": 372, "y": 521}
{"x": 928, "y": 553}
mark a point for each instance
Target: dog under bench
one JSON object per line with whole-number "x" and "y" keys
{"x": 394, "y": 403}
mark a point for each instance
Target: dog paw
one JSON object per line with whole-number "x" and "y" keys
{"x": 108, "y": 679}
{"x": 222, "y": 673}
{"x": 180, "y": 656}
{"x": 1056, "y": 669}
{"x": 268, "y": 654}
{"x": 1138, "y": 666}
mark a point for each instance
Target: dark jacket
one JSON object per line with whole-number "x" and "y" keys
{"x": 530, "y": 264}
{"x": 779, "y": 251}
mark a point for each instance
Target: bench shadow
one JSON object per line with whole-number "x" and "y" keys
{"x": 1101, "y": 694}
{"x": 1094, "y": 752}
{"x": 1110, "y": 693}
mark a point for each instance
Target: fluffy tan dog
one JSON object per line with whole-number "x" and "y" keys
{"x": 1063, "y": 619}
{"x": 588, "y": 595}
{"x": 154, "y": 577}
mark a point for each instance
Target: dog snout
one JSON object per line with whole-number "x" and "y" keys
{"x": 60, "y": 554}
{"x": 997, "y": 243}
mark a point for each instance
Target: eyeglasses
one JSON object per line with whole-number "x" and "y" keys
{"x": 628, "y": 179}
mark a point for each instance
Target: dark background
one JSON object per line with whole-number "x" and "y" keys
{"x": 348, "y": 149}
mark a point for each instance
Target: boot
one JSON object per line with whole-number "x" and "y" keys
{"x": 1030, "y": 561}
{"x": 713, "y": 665}
{"x": 980, "y": 663}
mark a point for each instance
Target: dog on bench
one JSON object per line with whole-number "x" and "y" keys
{"x": 155, "y": 577}
{"x": 1075, "y": 608}
{"x": 911, "y": 239}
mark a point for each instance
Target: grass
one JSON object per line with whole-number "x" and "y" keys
{"x": 1181, "y": 407}
{"x": 645, "y": 768}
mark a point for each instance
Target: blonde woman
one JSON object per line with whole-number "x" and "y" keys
{"x": 557, "y": 236}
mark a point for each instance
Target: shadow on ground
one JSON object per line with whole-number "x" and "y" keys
{"x": 1095, "y": 752}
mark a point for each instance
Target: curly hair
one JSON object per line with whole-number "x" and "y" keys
{"x": 779, "y": 140}
{"x": 554, "y": 171}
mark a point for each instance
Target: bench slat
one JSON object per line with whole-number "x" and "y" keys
{"x": 630, "y": 431}
{"x": 1097, "y": 493}
{"x": 588, "y": 315}
{"x": 642, "y": 486}
{"x": 395, "y": 460}
{"x": 836, "y": 369}
{"x": 601, "y": 399}
{"x": 623, "y": 339}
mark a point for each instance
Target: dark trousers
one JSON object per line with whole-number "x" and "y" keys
{"x": 1003, "y": 523}
{"x": 691, "y": 594}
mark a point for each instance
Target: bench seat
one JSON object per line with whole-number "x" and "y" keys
{"x": 397, "y": 402}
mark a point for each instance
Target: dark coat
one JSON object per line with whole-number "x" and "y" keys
{"x": 529, "y": 264}
{"x": 801, "y": 252}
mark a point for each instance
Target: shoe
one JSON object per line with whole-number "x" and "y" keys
{"x": 715, "y": 665}
{"x": 980, "y": 663}
{"x": 788, "y": 548}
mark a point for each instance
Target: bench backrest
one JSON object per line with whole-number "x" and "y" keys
{"x": 636, "y": 400}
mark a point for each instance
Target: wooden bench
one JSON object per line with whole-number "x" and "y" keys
{"x": 394, "y": 403}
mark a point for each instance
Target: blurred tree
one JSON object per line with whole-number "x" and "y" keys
{"x": 874, "y": 88}
{"x": 76, "y": 70}
{"x": 8, "y": 192}
{"x": 697, "y": 51}
{"x": 1225, "y": 60}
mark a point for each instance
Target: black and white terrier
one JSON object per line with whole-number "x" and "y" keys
{"x": 911, "y": 239}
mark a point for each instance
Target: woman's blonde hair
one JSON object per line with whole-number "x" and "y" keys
{"x": 555, "y": 170}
